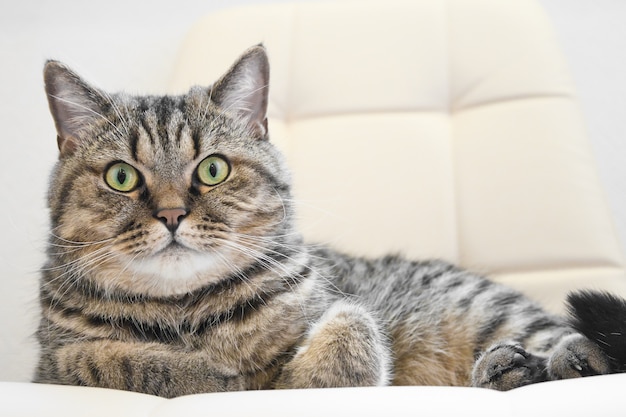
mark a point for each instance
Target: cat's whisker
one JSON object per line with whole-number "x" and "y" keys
{"x": 236, "y": 269}
{"x": 78, "y": 265}
{"x": 81, "y": 243}
{"x": 297, "y": 250}
{"x": 78, "y": 260}
{"x": 256, "y": 255}
{"x": 277, "y": 266}
{"x": 301, "y": 297}
{"x": 69, "y": 249}
{"x": 277, "y": 240}
{"x": 89, "y": 251}
{"x": 77, "y": 271}
{"x": 270, "y": 264}
{"x": 87, "y": 268}
{"x": 128, "y": 264}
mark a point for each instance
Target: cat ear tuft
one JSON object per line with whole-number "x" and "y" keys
{"x": 244, "y": 89}
{"x": 74, "y": 104}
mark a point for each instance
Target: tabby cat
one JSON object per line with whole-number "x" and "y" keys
{"x": 174, "y": 268}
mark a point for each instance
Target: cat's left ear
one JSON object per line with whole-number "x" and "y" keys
{"x": 74, "y": 104}
{"x": 244, "y": 89}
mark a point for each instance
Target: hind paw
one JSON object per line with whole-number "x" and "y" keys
{"x": 577, "y": 356}
{"x": 506, "y": 366}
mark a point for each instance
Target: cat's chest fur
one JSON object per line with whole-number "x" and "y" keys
{"x": 245, "y": 331}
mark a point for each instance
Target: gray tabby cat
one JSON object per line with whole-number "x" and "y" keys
{"x": 174, "y": 267}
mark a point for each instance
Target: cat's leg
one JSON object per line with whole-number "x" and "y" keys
{"x": 149, "y": 368}
{"x": 575, "y": 356}
{"x": 508, "y": 365}
{"x": 346, "y": 347}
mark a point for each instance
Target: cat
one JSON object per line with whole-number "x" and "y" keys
{"x": 174, "y": 267}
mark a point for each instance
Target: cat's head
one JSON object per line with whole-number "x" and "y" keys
{"x": 162, "y": 195}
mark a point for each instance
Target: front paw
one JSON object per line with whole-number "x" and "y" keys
{"x": 577, "y": 356}
{"x": 506, "y": 366}
{"x": 344, "y": 349}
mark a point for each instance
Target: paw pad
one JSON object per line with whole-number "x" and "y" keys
{"x": 506, "y": 366}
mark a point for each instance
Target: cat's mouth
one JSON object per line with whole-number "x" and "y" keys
{"x": 177, "y": 254}
{"x": 176, "y": 269}
{"x": 176, "y": 266}
{"x": 173, "y": 248}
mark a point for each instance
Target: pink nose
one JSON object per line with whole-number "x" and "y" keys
{"x": 171, "y": 217}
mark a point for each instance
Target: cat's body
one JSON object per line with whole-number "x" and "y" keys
{"x": 174, "y": 267}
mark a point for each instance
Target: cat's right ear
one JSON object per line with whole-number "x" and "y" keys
{"x": 74, "y": 104}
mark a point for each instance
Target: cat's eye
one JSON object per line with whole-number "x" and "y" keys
{"x": 122, "y": 177}
{"x": 213, "y": 170}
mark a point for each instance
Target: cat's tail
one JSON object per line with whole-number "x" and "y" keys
{"x": 601, "y": 317}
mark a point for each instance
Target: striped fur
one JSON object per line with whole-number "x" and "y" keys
{"x": 225, "y": 295}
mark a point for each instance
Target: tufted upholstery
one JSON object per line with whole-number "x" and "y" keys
{"x": 432, "y": 128}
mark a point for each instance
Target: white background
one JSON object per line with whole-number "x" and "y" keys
{"x": 132, "y": 45}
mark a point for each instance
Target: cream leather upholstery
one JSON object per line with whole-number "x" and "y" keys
{"x": 593, "y": 396}
{"x": 435, "y": 128}
{"x": 442, "y": 129}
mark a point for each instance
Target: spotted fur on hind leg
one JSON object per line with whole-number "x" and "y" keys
{"x": 507, "y": 365}
{"x": 577, "y": 356}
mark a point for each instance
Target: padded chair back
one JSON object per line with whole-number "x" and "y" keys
{"x": 432, "y": 128}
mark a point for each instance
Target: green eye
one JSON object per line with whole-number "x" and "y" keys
{"x": 122, "y": 177}
{"x": 213, "y": 170}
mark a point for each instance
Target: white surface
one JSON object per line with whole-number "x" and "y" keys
{"x": 584, "y": 397}
{"x": 133, "y": 45}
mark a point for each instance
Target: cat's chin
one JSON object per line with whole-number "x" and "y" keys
{"x": 175, "y": 271}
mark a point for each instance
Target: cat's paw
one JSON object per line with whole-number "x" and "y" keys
{"x": 577, "y": 356}
{"x": 505, "y": 366}
{"x": 344, "y": 348}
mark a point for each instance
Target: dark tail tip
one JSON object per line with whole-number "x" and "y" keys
{"x": 601, "y": 317}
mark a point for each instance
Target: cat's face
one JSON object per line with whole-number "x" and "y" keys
{"x": 164, "y": 195}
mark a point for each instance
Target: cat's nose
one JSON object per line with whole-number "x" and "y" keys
{"x": 171, "y": 217}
